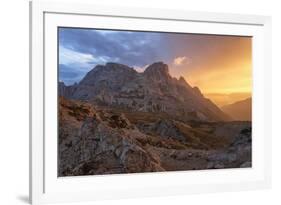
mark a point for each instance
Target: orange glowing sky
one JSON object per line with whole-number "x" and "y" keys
{"x": 222, "y": 68}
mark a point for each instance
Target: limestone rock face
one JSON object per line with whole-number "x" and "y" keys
{"x": 111, "y": 75}
{"x": 154, "y": 90}
{"x": 98, "y": 142}
{"x": 158, "y": 72}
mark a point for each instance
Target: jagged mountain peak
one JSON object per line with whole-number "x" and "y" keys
{"x": 197, "y": 91}
{"x": 113, "y": 65}
{"x": 157, "y": 67}
{"x": 181, "y": 79}
{"x": 118, "y": 85}
{"x": 111, "y": 72}
{"x": 157, "y": 71}
{"x": 183, "y": 82}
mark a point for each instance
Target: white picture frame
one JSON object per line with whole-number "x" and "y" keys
{"x": 46, "y": 187}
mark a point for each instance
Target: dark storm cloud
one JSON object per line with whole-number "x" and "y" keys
{"x": 131, "y": 48}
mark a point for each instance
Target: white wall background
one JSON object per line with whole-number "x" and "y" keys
{"x": 14, "y": 100}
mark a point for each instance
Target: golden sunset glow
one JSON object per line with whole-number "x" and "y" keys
{"x": 224, "y": 73}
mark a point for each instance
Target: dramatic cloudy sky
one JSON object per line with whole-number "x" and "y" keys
{"x": 218, "y": 65}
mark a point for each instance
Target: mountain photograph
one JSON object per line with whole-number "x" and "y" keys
{"x": 139, "y": 101}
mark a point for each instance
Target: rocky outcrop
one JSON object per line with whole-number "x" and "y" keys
{"x": 97, "y": 142}
{"x": 154, "y": 90}
{"x": 112, "y": 76}
{"x": 96, "y": 139}
{"x": 238, "y": 153}
{"x": 158, "y": 72}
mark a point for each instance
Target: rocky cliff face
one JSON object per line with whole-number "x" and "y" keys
{"x": 154, "y": 90}
{"x": 101, "y": 140}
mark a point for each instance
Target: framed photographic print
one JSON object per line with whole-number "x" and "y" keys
{"x": 129, "y": 102}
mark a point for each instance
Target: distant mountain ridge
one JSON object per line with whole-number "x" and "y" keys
{"x": 154, "y": 90}
{"x": 241, "y": 110}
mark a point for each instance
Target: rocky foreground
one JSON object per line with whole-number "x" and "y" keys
{"x": 103, "y": 140}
